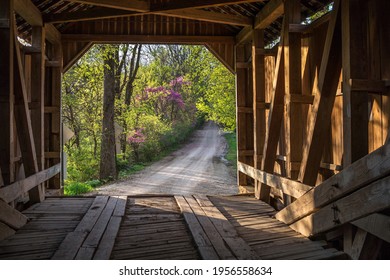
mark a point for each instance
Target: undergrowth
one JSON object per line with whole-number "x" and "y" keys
{"x": 231, "y": 154}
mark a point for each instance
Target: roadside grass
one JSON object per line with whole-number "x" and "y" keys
{"x": 231, "y": 154}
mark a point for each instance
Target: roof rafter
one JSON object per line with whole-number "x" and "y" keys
{"x": 104, "y": 13}
{"x": 270, "y": 12}
{"x": 179, "y": 4}
{"x": 147, "y": 39}
{"x": 134, "y": 5}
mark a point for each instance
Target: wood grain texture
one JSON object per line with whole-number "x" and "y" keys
{"x": 373, "y": 198}
{"x": 364, "y": 171}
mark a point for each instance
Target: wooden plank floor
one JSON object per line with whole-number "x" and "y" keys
{"x": 158, "y": 227}
{"x": 50, "y": 222}
{"x": 271, "y": 239}
{"x": 153, "y": 228}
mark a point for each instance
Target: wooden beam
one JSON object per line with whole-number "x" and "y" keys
{"x": 1, "y": 179}
{"x": 376, "y": 224}
{"x": 134, "y": 5}
{"x": 164, "y": 39}
{"x": 105, "y": 13}
{"x": 244, "y": 35}
{"x": 287, "y": 186}
{"x": 355, "y": 61}
{"x": 293, "y": 121}
{"x": 27, "y": 10}
{"x": 371, "y": 86}
{"x": 24, "y": 126}
{"x": 37, "y": 92}
{"x": 376, "y": 197}
{"x": 209, "y": 17}
{"x": 347, "y": 234}
{"x": 297, "y": 98}
{"x": 242, "y": 117}
{"x": 94, "y": 13}
{"x": 268, "y": 14}
{"x": 13, "y": 191}
{"x": 178, "y": 4}
{"x": 5, "y": 231}
{"x": 309, "y": 28}
{"x": 11, "y": 217}
{"x": 51, "y": 155}
{"x": 76, "y": 56}
{"x": 364, "y": 171}
{"x": 52, "y": 34}
{"x": 259, "y": 112}
{"x": 6, "y": 91}
{"x": 324, "y": 90}
{"x": 54, "y": 95}
{"x": 274, "y": 120}
{"x": 226, "y": 56}
{"x": 358, "y": 243}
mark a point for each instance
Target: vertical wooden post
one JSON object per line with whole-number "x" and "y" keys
{"x": 37, "y": 96}
{"x": 37, "y": 92}
{"x": 324, "y": 91}
{"x": 293, "y": 86}
{"x": 6, "y": 90}
{"x": 259, "y": 108}
{"x": 355, "y": 66}
{"x": 55, "y": 101}
{"x": 275, "y": 118}
{"x": 244, "y": 119}
{"x": 23, "y": 124}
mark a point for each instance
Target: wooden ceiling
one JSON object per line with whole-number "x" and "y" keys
{"x": 165, "y": 20}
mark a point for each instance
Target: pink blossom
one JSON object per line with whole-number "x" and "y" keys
{"x": 137, "y": 137}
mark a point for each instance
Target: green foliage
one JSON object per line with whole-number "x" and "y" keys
{"x": 77, "y": 188}
{"x": 231, "y": 154}
{"x": 82, "y": 165}
{"x": 205, "y": 93}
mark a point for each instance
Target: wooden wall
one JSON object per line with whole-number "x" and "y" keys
{"x": 326, "y": 123}
{"x": 30, "y": 91}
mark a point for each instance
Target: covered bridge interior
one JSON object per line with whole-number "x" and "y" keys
{"x": 313, "y": 113}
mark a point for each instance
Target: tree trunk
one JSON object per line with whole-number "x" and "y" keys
{"x": 107, "y": 154}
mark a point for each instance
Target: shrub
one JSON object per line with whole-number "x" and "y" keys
{"x": 76, "y": 188}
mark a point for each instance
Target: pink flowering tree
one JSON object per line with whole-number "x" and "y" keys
{"x": 166, "y": 101}
{"x": 135, "y": 140}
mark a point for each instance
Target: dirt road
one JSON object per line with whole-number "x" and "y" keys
{"x": 197, "y": 168}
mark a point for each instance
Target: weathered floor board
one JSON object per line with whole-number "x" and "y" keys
{"x": 158, "y": 227}
{"x": 50, "y": 222}
{"x": 152, "y": 228}
{"x": 270, "y": 238}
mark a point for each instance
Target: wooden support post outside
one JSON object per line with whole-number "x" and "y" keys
{"x": 6, "y": 91}
{"x": 259, "y": 112}
{"x": 355, "y": 66}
